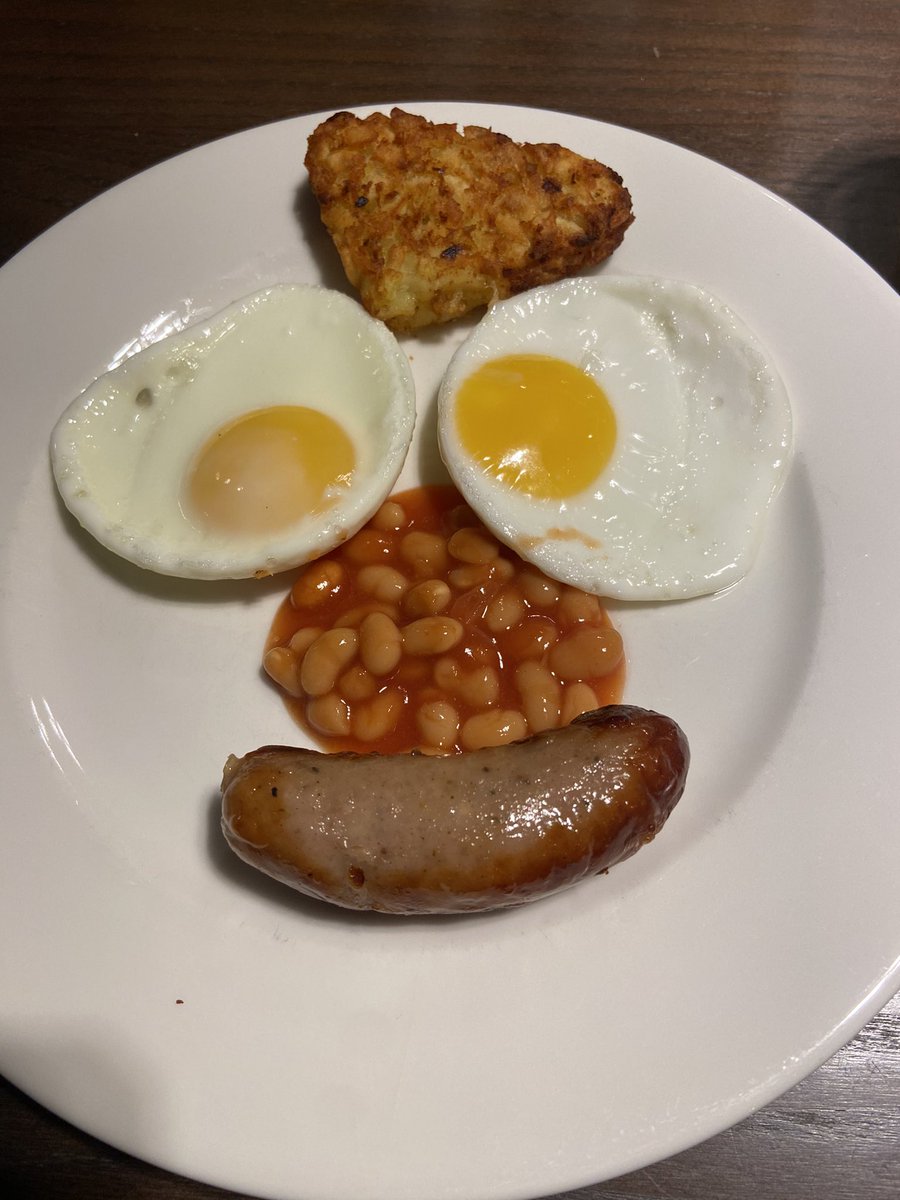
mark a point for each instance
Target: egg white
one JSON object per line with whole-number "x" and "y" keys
{"x": 121, "y": 451}
{"x": 703, "y": 440}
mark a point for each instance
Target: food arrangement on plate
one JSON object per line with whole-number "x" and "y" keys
{"x": 609, "y": 437}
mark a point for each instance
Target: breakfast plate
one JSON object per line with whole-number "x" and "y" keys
{"x": 160, "y": 995}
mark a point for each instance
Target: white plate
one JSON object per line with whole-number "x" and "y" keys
{"x": 179, "y": 1006}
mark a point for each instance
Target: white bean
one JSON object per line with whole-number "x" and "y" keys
{"x": 282, "y": 666}
{"x": 495, "y": 727}
{"x": 380, "y": 644}
{"x": 326, "y": 659}
{"x": 438, "y": 723}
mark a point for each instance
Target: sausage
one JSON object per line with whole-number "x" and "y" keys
{"x": 412, "y": 833}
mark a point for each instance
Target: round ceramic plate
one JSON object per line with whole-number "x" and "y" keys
{"x": 171, "y": 1001}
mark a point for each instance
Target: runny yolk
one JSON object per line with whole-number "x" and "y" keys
{"x": 538, "y": 424}
{"x": 264, "y": 470}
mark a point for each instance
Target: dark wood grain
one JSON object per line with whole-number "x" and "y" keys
{"x": 800, "y": 96}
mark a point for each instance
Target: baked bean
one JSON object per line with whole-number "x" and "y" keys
{"x": 531, "y": 638}
{"x": 354, "y": 617}
{"x": 302, "y": 640}
{"x": 317, "y": 583}
{"x": 495, "y": 727}
{"x": 460, "y": 517}
{"x": 438, "y": 723}
{"x": 470, "y": 607}
{"x": 426, "y": 553}
{"x": 538, "y": 589}
{"x": 329, "y": 714}
{"x": 587, "y": 653}
{"x": 378, "y": 717}
{"x": 426, "y": 607}
{"x": 504, "y": 611}
{"x": 480, "y": 687}
{"x": 357, "y": 683}
{"x": 470, "y": 576}
{"x": 431, "y": 635}
{"x": 575, "y": 606}
{"x": 446, "y": 674}
{"x": 380, "y": 644}
{"x": 540, "y": 693}
{"x": 283, "y": 666}
{"x": 382, "y": 582}
{"x": 390, "y": 516}
{"x": 577, "y": 698}
{"x": 502, "y": 570}
{"x": 473, "y": 545}
{"x": 368, "y": 546}
{"x": 481, "y": 648}
{"x": 426, "y": 599}
{"x": 326, "y": 659}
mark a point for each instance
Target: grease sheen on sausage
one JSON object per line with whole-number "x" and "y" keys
{"x": 462, "y": 833}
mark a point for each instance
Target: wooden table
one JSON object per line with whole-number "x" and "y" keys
{"x": 802, "y": 97}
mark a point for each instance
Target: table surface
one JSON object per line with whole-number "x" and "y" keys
{"x": 799, "y": 95}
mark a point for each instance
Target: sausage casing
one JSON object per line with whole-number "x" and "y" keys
{"x": 462, "y": 833}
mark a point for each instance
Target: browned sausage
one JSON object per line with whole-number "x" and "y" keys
{"x": 488, "y": 829}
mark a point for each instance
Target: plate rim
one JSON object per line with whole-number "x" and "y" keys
{"x": 885, "y": 983}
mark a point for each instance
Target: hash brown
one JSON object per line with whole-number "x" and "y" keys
{"x": 431, "y": 222}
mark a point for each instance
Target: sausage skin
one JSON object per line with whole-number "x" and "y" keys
{"x": 412, "y": 833}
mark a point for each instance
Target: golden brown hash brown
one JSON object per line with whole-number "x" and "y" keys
{"x": 430, "y": 222}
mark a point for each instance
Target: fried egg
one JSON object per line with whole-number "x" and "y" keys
{"x": 627, "y": 435}
{"x": 244, "y": 445}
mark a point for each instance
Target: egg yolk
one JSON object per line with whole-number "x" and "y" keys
{"x": 261, "y": 472}
{"x": 538, "y": 424}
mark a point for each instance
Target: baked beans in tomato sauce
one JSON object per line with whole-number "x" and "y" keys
{"x": 423, "y": 632}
